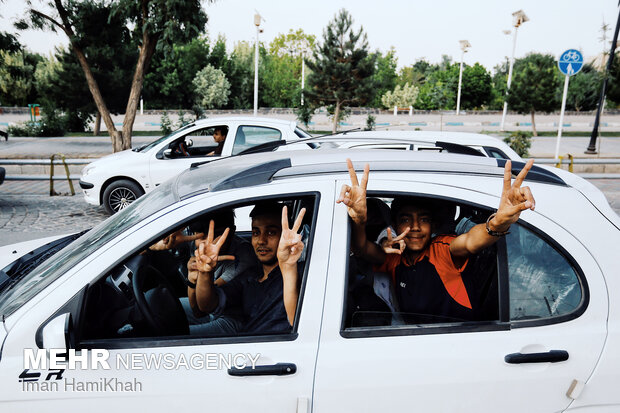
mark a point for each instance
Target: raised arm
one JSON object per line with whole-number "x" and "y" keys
{"x": 354, "y": 197}
{"x": 207, "y": 257}
{"x": 289, "y": 251}
{"x": 514, "y": 200}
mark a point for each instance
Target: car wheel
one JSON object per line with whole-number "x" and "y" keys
{"x": 120, "y": 194}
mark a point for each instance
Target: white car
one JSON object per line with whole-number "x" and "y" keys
{"x": 544, "y": 338}
{"x": 117, "y": 180}
{"x": 424, "y": 141}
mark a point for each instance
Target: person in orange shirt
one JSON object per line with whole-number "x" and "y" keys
{"x": 426, "y": 270}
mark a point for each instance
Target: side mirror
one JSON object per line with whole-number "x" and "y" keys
{"x": 58, "y": 333}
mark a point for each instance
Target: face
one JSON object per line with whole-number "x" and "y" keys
{"x": 266, "y": 232}
{"x": 218, "y": 136}
{"x": 420, "y": 227}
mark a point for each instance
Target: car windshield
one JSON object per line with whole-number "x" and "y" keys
{"x": 156, "y": 142}
{"x": 14, "y": 295}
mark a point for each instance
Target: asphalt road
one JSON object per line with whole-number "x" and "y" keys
{"x": 28, "y": 212}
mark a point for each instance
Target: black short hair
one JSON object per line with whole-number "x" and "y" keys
{"x": 270, "y": 208}
{"x": 400, "y": 202}
{"x": 223, "y": 218}
{"x": 223, "y": 130}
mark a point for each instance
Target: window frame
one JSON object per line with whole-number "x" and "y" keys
{"x": 503, "y": 323}
{"x": 175, "y": 341}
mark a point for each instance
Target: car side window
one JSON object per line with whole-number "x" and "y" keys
{"x": 397, "y": 294}
{"x": 152, "y": 293}
{"x": 249, "y": 136}
{"x": 543, "y": 283}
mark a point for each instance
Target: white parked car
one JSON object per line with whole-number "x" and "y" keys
{"x": 424, "y": 141}
{"x": 117, "y": 180}
{"x": 544, "y": 338}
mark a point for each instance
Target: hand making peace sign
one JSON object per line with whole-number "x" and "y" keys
{"x": 514, "y": 198}
{"x": 354, "y": 195}
{"x": 207, "y": 254}
{"x": 290, "y": 246}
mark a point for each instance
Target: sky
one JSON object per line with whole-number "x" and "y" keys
{"x": 416, "y": 29}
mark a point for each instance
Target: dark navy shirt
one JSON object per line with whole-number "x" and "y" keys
{"x": 261, "y": 303}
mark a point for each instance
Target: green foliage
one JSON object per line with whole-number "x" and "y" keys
{"x": 385, "y": 76}
{"x": 167, "y": 83}
{"x": 16, "y": 75}
{"x": 181, "y": 121}
{"x": 280, "y": 81}
{"x": 439, "y": 90}
{"x": 166, "y": 124}
{"x": 401, "y": 97}
{"x": 52, "y": 123}
{"x": 341, "y": 67}
{"x": 534, "y": 84}
{"x": 499, "y": 80}
{"x": 583, "y": 89}
{"x": 292, "y": 43}
{"x": 476, "y": 88}
{"x": 211, "y": 87}
{"x": 370, "y": 122}
{"x": 520, "y": 142}
{"x": 304, "y": 114}
{"x": 9, "y": 43}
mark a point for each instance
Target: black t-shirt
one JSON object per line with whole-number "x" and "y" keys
{"x": 261, "y": 303}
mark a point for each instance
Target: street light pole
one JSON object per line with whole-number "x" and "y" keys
{"x": 464, "y": 46}
{"x": 518, "y": 18}
{"x": 303, "y": 76}
{"x": 257, "y": 19}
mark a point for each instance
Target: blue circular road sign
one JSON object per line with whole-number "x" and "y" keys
{"x": 571, "y": 62}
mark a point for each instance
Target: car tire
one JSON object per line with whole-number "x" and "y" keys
{"x": 120, "y": 194}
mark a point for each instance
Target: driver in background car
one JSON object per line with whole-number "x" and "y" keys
{"x": 225, "y": 271}
{"x": 219, "y": 136}
{"x": 425, "y": 270}
{"x": 267, "y": 297}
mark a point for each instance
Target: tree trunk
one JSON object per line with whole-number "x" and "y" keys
{"x": 99, "y": 102}
{"x": 533, "y": 124}
{"x": 97, "y": 124}
{"x": 336, "y": 116}
{"x": 146, "y": 53}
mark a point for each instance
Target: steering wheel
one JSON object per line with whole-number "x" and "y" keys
{"x": 162, "y": 311}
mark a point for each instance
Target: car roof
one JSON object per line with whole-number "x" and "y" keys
{"x": 463, "y": 138}
{"x": 248, "y": 119}
{"x": 260, "y": 168}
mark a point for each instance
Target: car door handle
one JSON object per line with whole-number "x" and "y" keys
{"x": 552, "y": 356}
{"x": 278, "y": 369}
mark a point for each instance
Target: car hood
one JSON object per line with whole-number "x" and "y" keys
{"x": 35, "y": 250}
{"x": 116, "y": 158}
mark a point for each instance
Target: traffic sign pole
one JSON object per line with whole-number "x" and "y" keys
{"x": 569, "y": 63}
{"x": 557, "y": 143}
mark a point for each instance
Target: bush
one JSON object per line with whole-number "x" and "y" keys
{"x": 166, "y": 124}
{"x": 520, "y": 142}
{"x": 304, "y": 114}
{"x": 52, "y": 123}
{"x": 370, "y": 122}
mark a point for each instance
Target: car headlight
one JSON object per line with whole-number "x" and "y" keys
{"x": 88, "y": 169}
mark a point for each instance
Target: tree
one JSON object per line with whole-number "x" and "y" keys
{"x": 499, "y": 80}
{"x": 341, "y": 67}
{"x": 439, "y": 90}
{"x": 16, "y": 77}
{"x": 153, "y": 23}
{"x": 534, "y": 86}
{"x": 212, "y": 87}
{"x": 401, "y": 97}
{"x": 385, "y": 76}
{"x": 477, "y": 89}
{"x": 584, "y": 89}
{"x": 167, "y": 83}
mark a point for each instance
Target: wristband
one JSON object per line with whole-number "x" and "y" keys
{"x": 494, "y": 233}
{"x": 190, "y": 284}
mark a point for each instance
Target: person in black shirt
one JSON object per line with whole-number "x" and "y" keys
{"x": 267, "y": 300}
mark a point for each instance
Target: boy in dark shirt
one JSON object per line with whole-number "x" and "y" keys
{"x": 426, "y": 270}
{"x": 268, "y": 300}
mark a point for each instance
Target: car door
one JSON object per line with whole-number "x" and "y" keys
{"x": 508, "y": 364}
{"x": 155, "y": 387}
{"x": 162, "y": 167}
